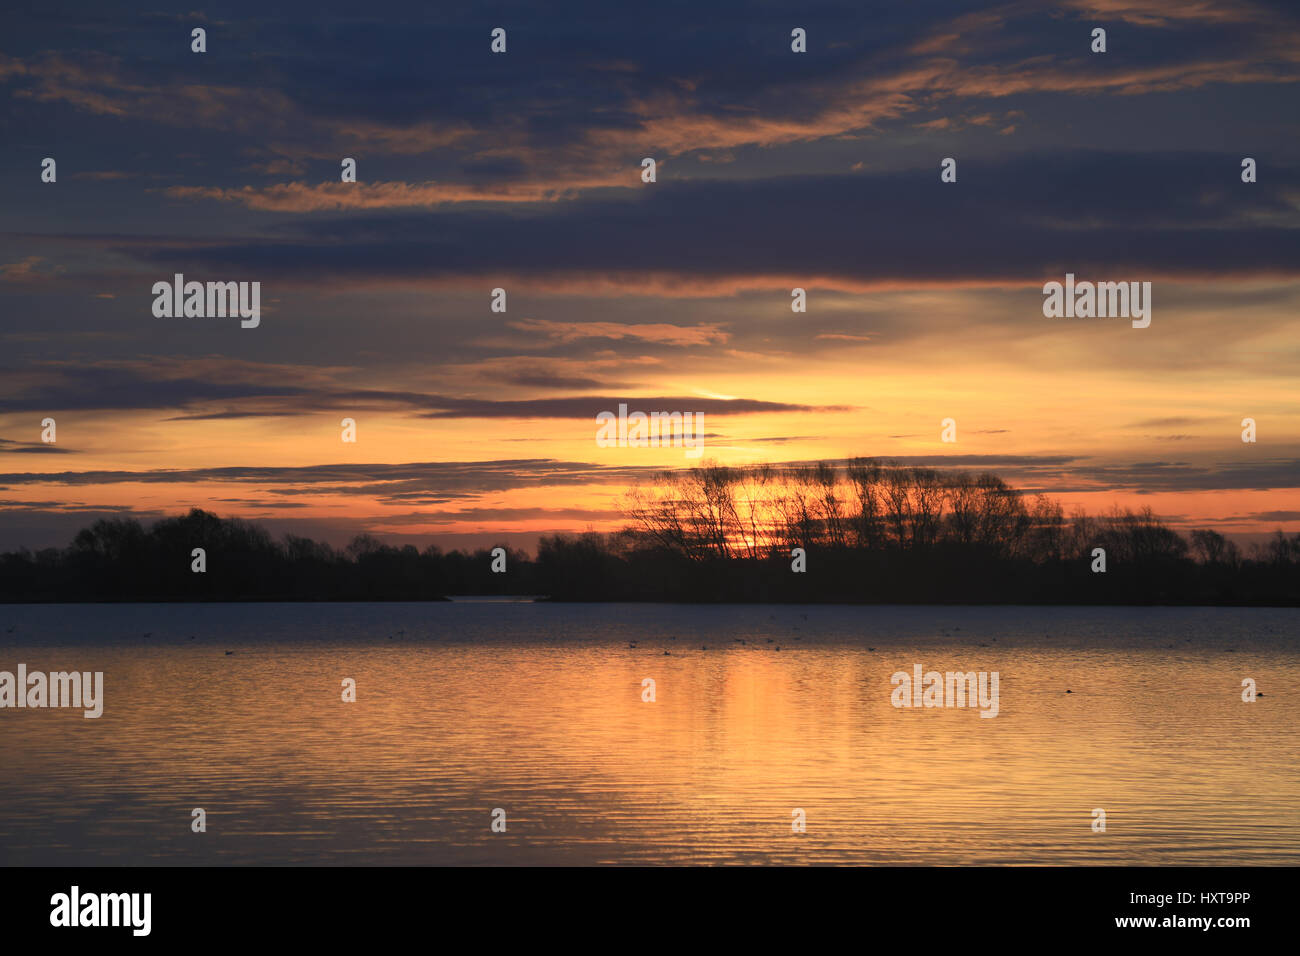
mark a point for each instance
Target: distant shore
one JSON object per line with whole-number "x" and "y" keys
{"x": 868, "y": 532}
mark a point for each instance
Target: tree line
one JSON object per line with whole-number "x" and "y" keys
{"x": 867, "y": 531}
{"x": 119, "y": 559}
{"x": 876, "y": 531}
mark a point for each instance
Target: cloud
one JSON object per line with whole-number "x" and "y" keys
{"x": 294, "y": 91}
{"x": 1011, "y": 223}
{"x": 515, "y": 515}
{"x": 1267, "y": 474}
{"x": 32, "y": 448}
{"x": 106, "y": 175}
{"x": 540, "y": 380}
{"x": 589, "y": 406}
{"x": 301, "y": 197}
{"x": 411, "y": 483}
{"x": 30, "y": 269}
{"x": 105, "y": 85}
{"x": 1173, "y": 421}
{"x": 843, "y": 337}
{"x": 249, "y": 390}
{"x": 219, "y": 416}
{"x": 68, "y": 386}
{"x": 662, "y": 332}
{"x": 1166, "y": 13}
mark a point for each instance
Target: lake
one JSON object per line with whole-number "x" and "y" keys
{"x": 536, "y": 709}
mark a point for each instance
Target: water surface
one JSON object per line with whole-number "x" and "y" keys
{"x": 537, "y": 709}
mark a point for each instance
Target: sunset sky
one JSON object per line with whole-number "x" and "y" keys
{"x": 522, "y": 170}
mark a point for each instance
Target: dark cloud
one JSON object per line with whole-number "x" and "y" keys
{"x": 90, "y": 387}
{"x": 11, "y": 447}
{"x": 1275, "y": 515}
{"x": 589, "y": 407}
{"x": 217, "y": 416}
{"x": 87, "y": 387}
{"x": 460, "y": 477}
{"x": 537, "y": 380}
{"x": 1172, "y": 476}
{"x": 1105, "y": 215}
{"x": 504, "y": 514}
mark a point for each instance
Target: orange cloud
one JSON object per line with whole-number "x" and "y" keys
{"x": 306, "y": 197}
{"x": 1159, "y": 13}
{"x": 661, "y": 332}
{"x": 27, "y": 270}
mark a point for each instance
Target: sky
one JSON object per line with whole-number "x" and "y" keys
{"x": 522, "y": 170}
